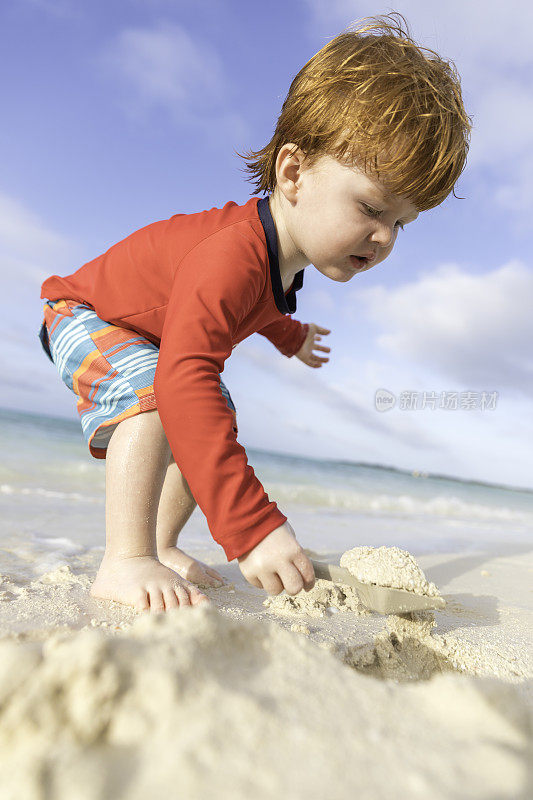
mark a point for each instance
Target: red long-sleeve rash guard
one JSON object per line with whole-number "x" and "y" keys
{"x": 197, "y": 285}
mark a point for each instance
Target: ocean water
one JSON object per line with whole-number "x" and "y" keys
{"x": 52, "y": 503}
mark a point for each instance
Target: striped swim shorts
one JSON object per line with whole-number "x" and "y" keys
{"x": 110, "y": 369}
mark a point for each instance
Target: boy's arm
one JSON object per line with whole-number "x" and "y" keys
{"x": 287, "y": 334}
{"x": 214, "y": 288}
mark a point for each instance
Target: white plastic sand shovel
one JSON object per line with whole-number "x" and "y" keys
{"x": 382, "y": 599}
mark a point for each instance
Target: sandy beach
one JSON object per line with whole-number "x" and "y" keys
{"x": 308, "y": 696}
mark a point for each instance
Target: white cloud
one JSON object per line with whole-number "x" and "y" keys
{"x": 515, "y": 193}
{"x": 24, "y": 234}
{"x": 503, "y": 123}
{"x": 476, "y": 329}
{"x": 332, "y": 413}
{"x": 30, "y": 251}
{"x": 63, "y": 9}
{"x": 503, "y": 32}
{"x": 320, "y": 300}
{"x": 166, "y": 67}
{"x": 350, "y": 408}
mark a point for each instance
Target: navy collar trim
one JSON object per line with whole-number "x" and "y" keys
{"x": 286, "y": 303}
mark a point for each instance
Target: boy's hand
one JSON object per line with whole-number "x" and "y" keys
{"x": 278, "y": 562}
{"x": 305, "y": 353}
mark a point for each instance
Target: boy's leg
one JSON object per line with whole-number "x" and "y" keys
{"x": 176, "y": 505}
{"x": 136, "y": 458}
{"x": 130, "y": 572}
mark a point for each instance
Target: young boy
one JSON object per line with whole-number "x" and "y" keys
{"x": 371, "y": 133}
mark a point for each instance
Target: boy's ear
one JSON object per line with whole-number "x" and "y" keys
{"x": 288, "y": 168}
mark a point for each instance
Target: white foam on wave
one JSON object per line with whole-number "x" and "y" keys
{"x": 41, "y": 554}
{"x": 60, "y": 544}
{"x": 445, "y": 506}
{"x": 314, "y": 496}
{"x": 6, "y": 488}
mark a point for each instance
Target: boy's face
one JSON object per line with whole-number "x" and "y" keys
{"x": 333, "y": 212}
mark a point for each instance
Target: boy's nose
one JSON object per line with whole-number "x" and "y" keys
{"x": 384, "y": 236}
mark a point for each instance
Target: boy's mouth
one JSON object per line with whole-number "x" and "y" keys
{"x": 359, "y": 262}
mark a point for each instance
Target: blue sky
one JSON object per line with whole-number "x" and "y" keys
{"x": 117, "y": 114}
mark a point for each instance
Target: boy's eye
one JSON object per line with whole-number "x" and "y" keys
{"x": 373, "y": 212}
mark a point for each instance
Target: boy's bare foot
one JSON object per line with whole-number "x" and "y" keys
{"x": 145, "y": 583}
{"x": 189, "y": 568}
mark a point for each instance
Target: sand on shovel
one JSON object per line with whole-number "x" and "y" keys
{"x": 388, "y": 566}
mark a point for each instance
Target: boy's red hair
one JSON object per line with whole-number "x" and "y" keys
{"x": 371, "y": 97}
